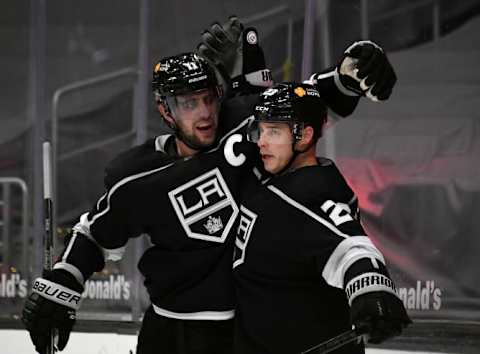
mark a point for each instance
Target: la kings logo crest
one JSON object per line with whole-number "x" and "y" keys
{"x": 205, "y": 207}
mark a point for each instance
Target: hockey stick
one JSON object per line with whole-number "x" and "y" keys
{"x": 48, "y": 235}
{"x": 334, "y": 343}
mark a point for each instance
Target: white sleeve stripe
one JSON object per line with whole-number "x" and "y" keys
{"x": 71, "y": 269}
{"x": 83, "y": 227}
{"x": 345, "y": 254}
{"x": 121, "y": 183}
{"x": 307, "y": 211}
{"x": 69, "y": 247}
{"x": 100, "y": 200}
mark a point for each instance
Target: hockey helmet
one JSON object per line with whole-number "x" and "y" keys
{"x": 182, "y": 74}
{"x": 298, "y": 104}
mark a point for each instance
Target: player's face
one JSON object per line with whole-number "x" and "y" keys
{"x": 275, "y": 143}
{"x": 196, "y": 116}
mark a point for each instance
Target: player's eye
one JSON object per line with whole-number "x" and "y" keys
{"x": 188, "y": 105}
{"x": 210, "y": 99}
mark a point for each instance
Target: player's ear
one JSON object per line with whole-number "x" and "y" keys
{"x": 165, "y": 113}
{"x": 307, "y": 138}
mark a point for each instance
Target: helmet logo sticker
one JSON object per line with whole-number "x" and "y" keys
{"x": 300, "y": 91}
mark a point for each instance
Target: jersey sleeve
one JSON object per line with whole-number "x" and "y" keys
{"x": 352, "y": 262}
{"x": 235, "y": 110}
{"x": 102, "y": 233}
{"x": 336, "y": 96}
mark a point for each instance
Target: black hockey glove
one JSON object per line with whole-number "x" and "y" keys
{"x": 51, "y": 306}
{"x": 241, "y": 63}
{"x": 365, "y": 70}
{"x": 221, "y": 46}
{"x": 379, "y": 314}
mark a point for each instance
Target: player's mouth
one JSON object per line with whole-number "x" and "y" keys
{"x": 207, "y": 128}
{"x": 266, "y": 157}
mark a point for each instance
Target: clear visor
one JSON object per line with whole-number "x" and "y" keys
{"x": 271, "y": 132}
{"x": 206, "y": 101}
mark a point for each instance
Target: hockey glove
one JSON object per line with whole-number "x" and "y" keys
{"x": 52, "y": 306}
{"x": 365, "y": 70}
{"x": 221, "y": 46}
{"x": 379, "y": 314}
{"x": 242, "y": 62}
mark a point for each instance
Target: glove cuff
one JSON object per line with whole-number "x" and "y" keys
{"x": 367, "y": 283}
{"x": 57, "y": 293}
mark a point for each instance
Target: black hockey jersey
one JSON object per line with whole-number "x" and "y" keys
{"x": 289, "y": 255}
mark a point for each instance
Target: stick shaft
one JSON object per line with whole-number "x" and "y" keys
{"x": 334, "y": 343}
{"x": 48, "y": 234}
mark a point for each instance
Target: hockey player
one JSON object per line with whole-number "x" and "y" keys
{"x": 304, "y": 268}
{"x": 186, "y": 205}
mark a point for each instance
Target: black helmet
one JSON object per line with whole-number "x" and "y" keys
{"x": 182, "y": 74}
{"x": 293, "y": 103}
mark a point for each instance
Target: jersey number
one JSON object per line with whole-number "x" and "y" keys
{"x": 337, "y": 212}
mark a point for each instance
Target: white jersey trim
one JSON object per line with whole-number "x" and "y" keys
{"x": 202, "y": 315}
{"x": 345, "y": 254}
{"x": 71, "y": 269}
{"x": 118, "y": 185}
{"x": 307, "y": 211}
{"x": 160, "y": 142}
{"x": 83, "y": 227}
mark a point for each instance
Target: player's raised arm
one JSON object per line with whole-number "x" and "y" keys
{"x": 363, "y": 70}
{"x": 236, "y": 53}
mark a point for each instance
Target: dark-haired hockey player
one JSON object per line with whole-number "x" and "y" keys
{"x": 186, "y": 205}
{"x": 304, "y": 268}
